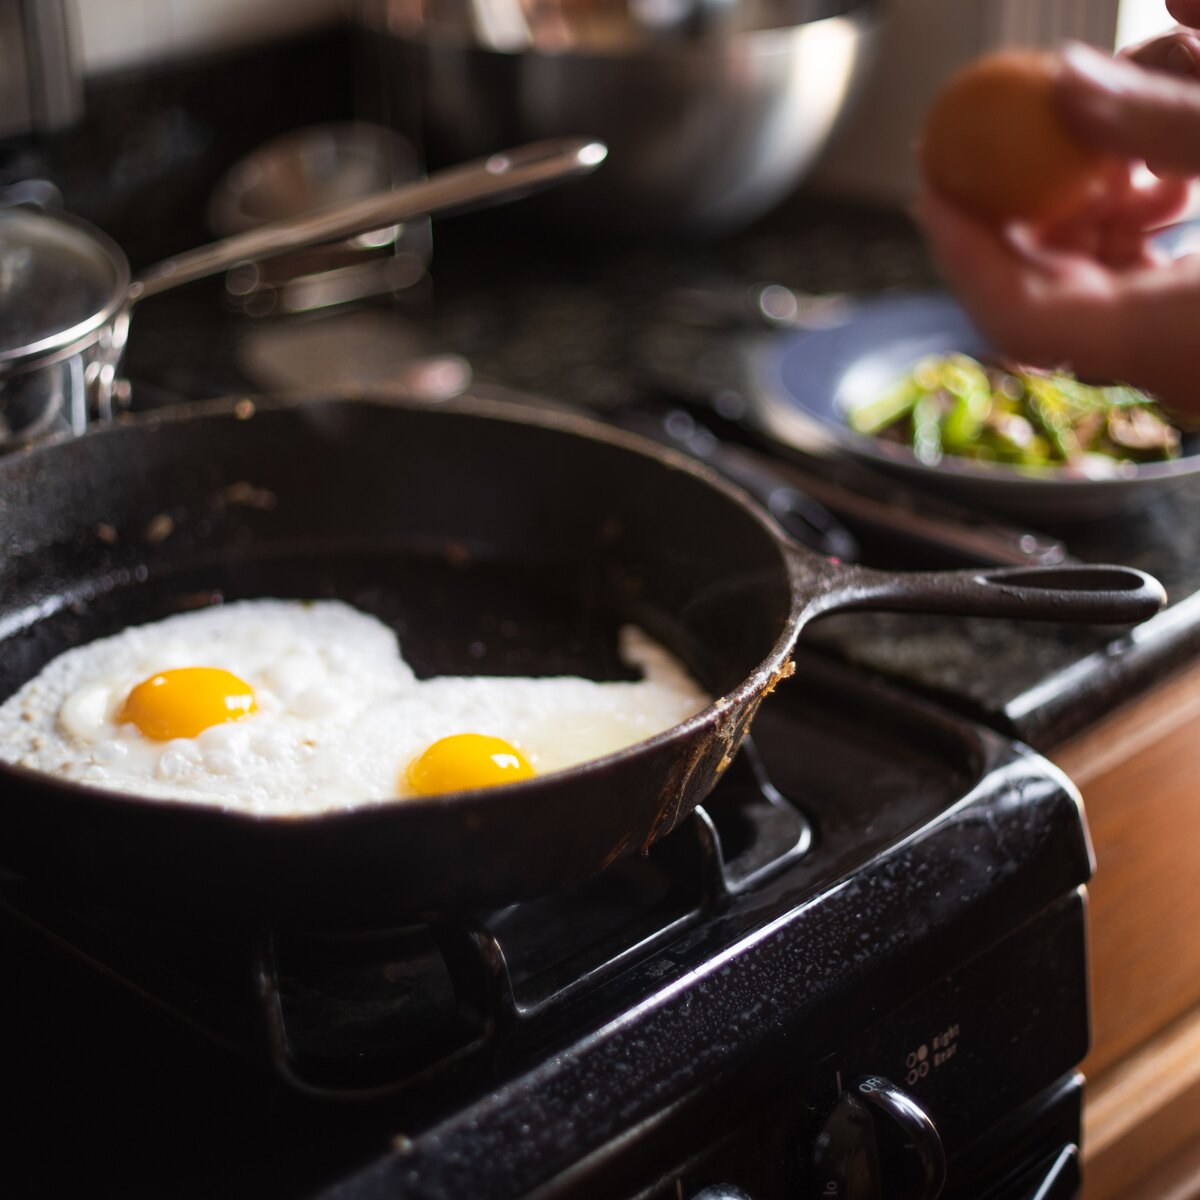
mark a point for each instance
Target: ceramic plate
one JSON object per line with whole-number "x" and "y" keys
{"x": 806, "y": 383}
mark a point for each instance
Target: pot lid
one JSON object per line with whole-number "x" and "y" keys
{"x": 60, "y": 282}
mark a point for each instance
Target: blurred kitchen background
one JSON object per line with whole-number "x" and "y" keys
{"x": 764, "y": 140}
{"x": 57, "y": 51}
{"x": 63, "y": 58}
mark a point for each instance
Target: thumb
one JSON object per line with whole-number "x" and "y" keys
{"x": 1120, "y": 107}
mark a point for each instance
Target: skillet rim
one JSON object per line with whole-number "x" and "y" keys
{"x": 760, "y": 681}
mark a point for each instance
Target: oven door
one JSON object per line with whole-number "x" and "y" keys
{"x": 1033, "y": 1155}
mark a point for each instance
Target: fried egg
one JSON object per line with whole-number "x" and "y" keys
{"x": 277, "y": 707}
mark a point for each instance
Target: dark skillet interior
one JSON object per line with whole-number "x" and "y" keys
{"x": 493, "y": 545}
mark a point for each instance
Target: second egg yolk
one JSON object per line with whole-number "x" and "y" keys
{"x": 466, "y": 761}
{"x": 187, "y": 701}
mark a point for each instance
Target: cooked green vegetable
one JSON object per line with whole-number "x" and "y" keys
{"x": 953, "y": 404}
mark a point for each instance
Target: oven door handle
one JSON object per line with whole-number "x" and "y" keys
{"x": 1056, "y": 1178}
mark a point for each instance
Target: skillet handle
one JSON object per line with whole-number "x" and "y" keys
{"x": 1083, "y": 593}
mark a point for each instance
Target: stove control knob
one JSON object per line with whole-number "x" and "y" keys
{"x": 878, "y": 1144}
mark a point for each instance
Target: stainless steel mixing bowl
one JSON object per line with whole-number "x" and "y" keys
{"x": 713, "y": 110}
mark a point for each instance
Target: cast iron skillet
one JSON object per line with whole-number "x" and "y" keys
{"x": 495, "y": 539}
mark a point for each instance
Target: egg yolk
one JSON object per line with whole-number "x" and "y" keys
{"x": 465, "y": 761}
{"x": 185, "y": 702}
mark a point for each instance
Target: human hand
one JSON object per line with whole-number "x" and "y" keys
{"x": 1140, "y": 106}
{"x": 1091, "y": 293}
{"x": 1177, "y": 51}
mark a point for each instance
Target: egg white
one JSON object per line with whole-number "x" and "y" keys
{"x": 340, "y": 713}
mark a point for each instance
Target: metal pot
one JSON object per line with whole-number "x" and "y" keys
{"x": 713, "y": 109}
{"x": 67, "y": 292}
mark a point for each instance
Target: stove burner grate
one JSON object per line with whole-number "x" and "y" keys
{"x": 365, "y": 1013}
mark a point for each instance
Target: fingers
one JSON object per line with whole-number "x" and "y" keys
{"x": 987, "y": 271}
{"x": 1115, "y": 228}
{"x": 1177, "y": 53}
{"x": 1153, "y": 203}
{"x": 968, "y": 253}
{"x": 1118, "y": 233}
{"x": 1121, "y": 107}
{"x": 1036, "y": 303}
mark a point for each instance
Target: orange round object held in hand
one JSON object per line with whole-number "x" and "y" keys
{"x": 995, "y": 143}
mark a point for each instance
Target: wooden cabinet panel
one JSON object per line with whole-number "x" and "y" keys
{"x": 1142, "y": 1121}
{"x": 1139, "y": 772}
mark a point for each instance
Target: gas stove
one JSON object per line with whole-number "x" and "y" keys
{"x": 857, "y": 972}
